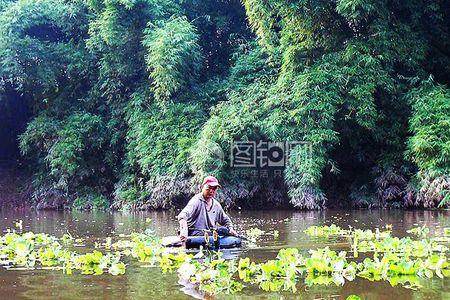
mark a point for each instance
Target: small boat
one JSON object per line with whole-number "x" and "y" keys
{"x": 223, "y": 242}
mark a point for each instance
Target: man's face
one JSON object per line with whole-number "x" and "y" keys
{"x": 209, "y": 191}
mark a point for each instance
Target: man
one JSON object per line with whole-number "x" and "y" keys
{"x": 203, "y": 212}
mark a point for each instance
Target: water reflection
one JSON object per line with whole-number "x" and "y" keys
{"x": 150, "y": 283}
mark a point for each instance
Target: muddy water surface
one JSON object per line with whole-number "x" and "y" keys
{"x": 150, "y": 283}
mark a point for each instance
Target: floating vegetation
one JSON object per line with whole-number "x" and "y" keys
{"x": 213, "y": 275}
{"x": 382, "y": 241}
{"x": 254, "y": 233}
{"x": 326, "y": 231}
{"x": 336, "y": 231}
{"x": 399, "y": 261}
{"x": 30, "y": 251}
{"x": 419, "y": 231}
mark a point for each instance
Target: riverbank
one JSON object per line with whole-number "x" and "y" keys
{"x": 17, "y": 191}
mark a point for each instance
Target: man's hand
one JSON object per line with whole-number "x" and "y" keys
{"x": 183, "y": 232}
{"x": 233, "y": 232}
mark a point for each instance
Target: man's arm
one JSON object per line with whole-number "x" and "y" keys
{"x": 187, "y": 212}
{"x": 183, "y": 231}
{"x": 226, "y": 221}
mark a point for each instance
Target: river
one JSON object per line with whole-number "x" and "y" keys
{"x": 151, "y": 283}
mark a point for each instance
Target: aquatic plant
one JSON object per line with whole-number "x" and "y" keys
{"x": 399, "y": 261}
{"x": 420, "y": 231}
{"x": 336, "y": 231}
{"x": 171, "y": 261}
{"x": 216, "y": 276}
{"x": 42, "y": 250}
{"x": 145, "y": 250}
{"x": 254, "y": 233}
{"x": 447, "y": 232}
{"x": 247, "y": 269}
{"x": 382, "y": 241}
{"x": 325, "y": 231}
{"x": 330, "y": 263}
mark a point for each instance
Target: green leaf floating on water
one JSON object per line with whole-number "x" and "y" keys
{"x": 420, "y": 231}
{"x": 399, "y": 261}
{"x": 117, "y": 268}
{"x": 254, "y": 233}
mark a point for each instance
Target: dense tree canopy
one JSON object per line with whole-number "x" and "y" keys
{"x": 134, "y": 100}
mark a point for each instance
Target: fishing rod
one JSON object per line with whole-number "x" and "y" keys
{"x": 210, "y": 237}
{"x": 223, "y": 231}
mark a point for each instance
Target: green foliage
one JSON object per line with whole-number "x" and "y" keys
{"x": 420, "y": 231}
{"x": 339, "y": 62}
{"x": 301, "y": 107}
{"x": 251, "y": 64}
{"x": 429, "y": 146}
{"x": 89, "y": 200}
{"x": 63, "y": 149}
{"x": 39, "y": 135}
{"x": 115, "y": 36}
{"x": 430, "y": 125}
{"x": 325, "y": 231}
{"x": 260, "y": 14}
{"x": 4, "y": 4}
{"x": 159, "y": 143}
{"x": 356, "y": 9}
{"x": 135, "y": 98}
{"x": 78, "y": 132}
{"x": 158, "y": 148}
{"x": 173, "y": 56}
{"x": 31, "y": 60}
{"x": 231, "y": 120}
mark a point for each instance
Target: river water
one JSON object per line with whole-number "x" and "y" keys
{"x": 150, "y": 283}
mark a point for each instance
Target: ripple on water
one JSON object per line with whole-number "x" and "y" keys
{"x": 150, "y": 283}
